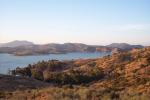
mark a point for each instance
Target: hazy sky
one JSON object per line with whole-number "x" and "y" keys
{"x": 86, "y": 21}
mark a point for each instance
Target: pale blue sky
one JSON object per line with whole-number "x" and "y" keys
{"x": 86, "y": 21}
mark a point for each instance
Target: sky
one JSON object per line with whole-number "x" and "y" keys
{"x": 97, "y": 22}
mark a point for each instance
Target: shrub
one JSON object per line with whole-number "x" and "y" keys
{"x": 37, "y": 74}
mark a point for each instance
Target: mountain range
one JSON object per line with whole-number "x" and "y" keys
{"x": 21, "y": 48}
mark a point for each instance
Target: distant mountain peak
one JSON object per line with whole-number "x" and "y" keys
{"x": 20, "y": 41}
{"x": 16, "y": 43}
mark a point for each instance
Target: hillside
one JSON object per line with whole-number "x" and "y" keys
{"x": 124, "y": 46}
{"x": 11, "y": 83}
{"x": 121, "y": 76}
{"x": 21, "y": 48}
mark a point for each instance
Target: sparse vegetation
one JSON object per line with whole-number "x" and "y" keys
{"x": 122, "y": 76}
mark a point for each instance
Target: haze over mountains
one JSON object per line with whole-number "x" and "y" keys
{"x": 21, "y": 48}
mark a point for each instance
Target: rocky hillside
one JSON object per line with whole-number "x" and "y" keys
{"x": 121, "y": 76}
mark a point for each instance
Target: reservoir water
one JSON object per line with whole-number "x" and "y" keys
{"x": 9, "y": 62}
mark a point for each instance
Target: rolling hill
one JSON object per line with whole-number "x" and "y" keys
{"x": 120, "y": 76}
{"x": 21, "y": 48}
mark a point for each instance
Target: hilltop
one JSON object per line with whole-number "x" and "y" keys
{"x": 16, "y": 43}
{"x": 123, "y": 76}
{"x": 124, "y": 46}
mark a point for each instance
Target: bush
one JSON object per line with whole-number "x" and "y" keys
{"x": 37, "y": 74}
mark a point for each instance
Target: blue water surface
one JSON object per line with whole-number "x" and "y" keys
{"x": 9, "y": 62}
